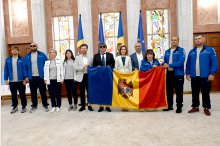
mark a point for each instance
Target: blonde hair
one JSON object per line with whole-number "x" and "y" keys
{"x": 55, "y": 51}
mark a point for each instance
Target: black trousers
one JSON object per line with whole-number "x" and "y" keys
{"x": 83, "y": 85}
{"x": 204, "y": 85}
{"x": 37, "y": 82}
{"x": 176, "y": 82}
{"x": 71, "y": 91}
{"x": 55, "y": 93}
{"x": 14, "y": 87}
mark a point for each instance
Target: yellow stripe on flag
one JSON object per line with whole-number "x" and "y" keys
{"x": 121, "y": 40}
{"x": 125, "y": 90}
{"x": 79, "y": 43}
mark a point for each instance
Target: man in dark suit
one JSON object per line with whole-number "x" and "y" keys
{"x": 136, "y": 57}
{"x": 103, "y": 58}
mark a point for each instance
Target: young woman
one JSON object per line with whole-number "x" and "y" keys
{"x": 149, "y": 61}
{"x": 70, "y": 84}
{"x": 53, "y": 77}
{"x": 123, "y": 63}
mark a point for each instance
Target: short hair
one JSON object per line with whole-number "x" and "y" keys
{"x": 102, "y": 44}
{"x": 119, "y": 44}
{"x": 15, "y": 47}
{"x": 176, "y": 37}
{"x": 149, "y": 51}
{"x": 84, "y": 45}
{"x": 55, "y": 51}
{"x": 137, "y": 43}
{"x": 199, "y": 35}
{"x": 125, "y": 48}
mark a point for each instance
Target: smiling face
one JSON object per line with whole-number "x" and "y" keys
{"x": 52, "y": 54}
{"x": 123, "y": 51}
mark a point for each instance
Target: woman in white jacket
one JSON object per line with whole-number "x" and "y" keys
{"x": 53, "y": 77}
{"x": 123, "y": 63}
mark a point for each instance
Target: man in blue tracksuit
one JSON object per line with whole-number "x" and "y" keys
{"x": 174, "y": 59}
{"x": 15, "y": 72}
{"x": 35, "y": 61}
{"x": 201, "y": 67}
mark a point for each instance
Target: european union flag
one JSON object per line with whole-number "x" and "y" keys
{"x": 140, "y": 38}
{"x": 101, "y": 33}
{"x": 80, "y": 39}
{"x": 120, "y": 32}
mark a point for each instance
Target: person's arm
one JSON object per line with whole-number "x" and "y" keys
{"x": 6, "y": 72}
{"x": 214, "y": 65}
{"x": 61, "y": 72}
{"x": 112, "y": 61}
{"x": 116, "y": 63}
{"x": 77, "y": 65}
{"x": 129, "y": 64}
{"x": 188, "y": 62}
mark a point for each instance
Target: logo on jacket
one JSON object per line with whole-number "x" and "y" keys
{"x": 125, "y": 88}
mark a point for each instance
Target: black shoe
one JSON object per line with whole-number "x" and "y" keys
{"x": 100, "y": 109}
{"x": 14, "y": 110}
{"x": 168, "y": 109}
{"x": 108, "y": 109}
{"x": 178, "y": 110}
{"x": 82, "y": 109}
{"x": 90, "y": 108}
{"x": 23, "y": 110}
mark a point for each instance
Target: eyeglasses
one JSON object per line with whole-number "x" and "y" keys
{"x": 32, "y": 45}
{"x": 102, "y": 46}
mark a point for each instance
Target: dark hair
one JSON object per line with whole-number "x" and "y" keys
{"x": 119, "y": 44}
{"x": 125, "y": 48}
{"x": 102, "y": 44}
{"x": 199, "y": 34}
{"x": 149, "y": 51}
{"x": 15, "y": 47}
{"x": 83, "y": 45}
{"x": 72, "y": 56}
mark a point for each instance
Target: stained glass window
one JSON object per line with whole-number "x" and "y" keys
{"x": 63, "y": 35}
{"x": 110, "y": 25}
{"x": 158, "y": 32}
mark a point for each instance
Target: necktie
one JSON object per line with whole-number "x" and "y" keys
{"x": 103, "y": 60}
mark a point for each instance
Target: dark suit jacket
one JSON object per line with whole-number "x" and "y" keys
{"x": 109, "y": 60}
{"x": 134, "y": 61}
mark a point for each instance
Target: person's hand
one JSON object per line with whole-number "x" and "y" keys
{"x": 154, "y": 65}
{"x": 45, "y": 82}
{"x": 188, "y": 77}
{"x": 85, "y": 66}
{"x": 165, "y": 65}
{"x": 211, "y": 77}
{"x": 7, "y": 82}
{"x": 135, "y": 69}
{"x": 27, "y": 80}
{"x": 24, "y": 82}
{"x": 61, "y": 82}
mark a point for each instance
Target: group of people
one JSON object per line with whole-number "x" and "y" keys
{"x": 40, "y": 71}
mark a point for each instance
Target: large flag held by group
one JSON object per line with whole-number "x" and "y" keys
{"x": 121, "y": 38}
{"x": 135, "y": 90}
{"x": 80, "y": 39}
{"x": 140, "y": 37}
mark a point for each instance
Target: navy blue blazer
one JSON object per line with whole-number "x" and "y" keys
{"x": 134, "y": 61}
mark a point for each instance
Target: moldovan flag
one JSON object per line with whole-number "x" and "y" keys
{"x": 135, "y": 90}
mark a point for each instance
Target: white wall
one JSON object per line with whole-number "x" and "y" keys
{"x": 84, "y": 8}
{"x": 3, "y": 49}
{"x": 185, "y": 30}
{"x": 39, "y": 24}
{"x": 133, "y": 10}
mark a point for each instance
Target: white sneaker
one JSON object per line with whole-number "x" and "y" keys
{"x": 57, "y": 109}
{"x": 53, "y": 109}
